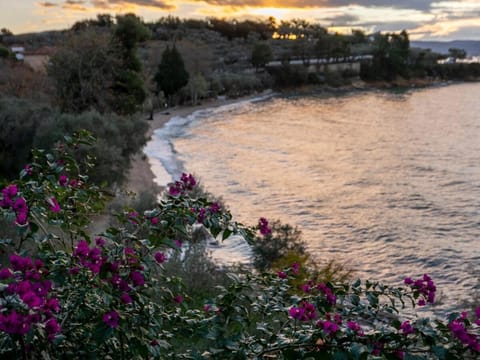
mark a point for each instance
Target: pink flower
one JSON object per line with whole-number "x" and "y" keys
{"x": 178, "y": 299}
{"x": 178, "y": 243}
{"x": 54, "y": 205}
{"x": 154, "y": 220}
{"x": 282, "y": 275}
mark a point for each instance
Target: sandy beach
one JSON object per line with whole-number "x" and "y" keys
{"x": 140, "y": 176}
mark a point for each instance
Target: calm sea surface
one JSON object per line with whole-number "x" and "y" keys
{"x": 387, "y": 182}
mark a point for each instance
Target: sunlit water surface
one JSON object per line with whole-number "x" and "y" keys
{"x": 387, "y": 182}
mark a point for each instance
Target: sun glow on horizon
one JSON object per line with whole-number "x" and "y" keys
{"x": 442, "y": 20}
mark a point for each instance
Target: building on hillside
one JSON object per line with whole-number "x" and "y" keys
{"x": 19, "y": 52}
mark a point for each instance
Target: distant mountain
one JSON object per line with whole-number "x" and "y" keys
{"x": 472, "y": 47}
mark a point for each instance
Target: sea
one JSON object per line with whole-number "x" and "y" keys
{"x": 386, "y": 182}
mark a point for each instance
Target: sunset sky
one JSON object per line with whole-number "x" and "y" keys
{"x": 423, "y": 19}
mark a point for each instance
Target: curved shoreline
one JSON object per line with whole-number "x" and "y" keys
{"x": 140, "y": 176}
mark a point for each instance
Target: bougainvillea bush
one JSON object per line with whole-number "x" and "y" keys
{"x": 67, "y": 293}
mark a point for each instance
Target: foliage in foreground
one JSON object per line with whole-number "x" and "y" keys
{"x": 67, "y": 295}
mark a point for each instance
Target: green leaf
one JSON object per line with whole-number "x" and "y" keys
{"x": 340, "y": 355}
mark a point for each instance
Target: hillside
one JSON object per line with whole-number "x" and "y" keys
{"x": 472, "y": 47}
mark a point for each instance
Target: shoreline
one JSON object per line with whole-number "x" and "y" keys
{"x": 140, "y": 175}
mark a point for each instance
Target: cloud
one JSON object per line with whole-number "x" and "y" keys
{"x": 76, "y": 5}
{"x": 340, "y": 20}
{"x": 159, "y": 4}
{"x": 47, "y": 4}
{"x": 404, "y": 4}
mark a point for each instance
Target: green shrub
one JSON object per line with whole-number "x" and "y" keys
{"x": 28, "y": 124}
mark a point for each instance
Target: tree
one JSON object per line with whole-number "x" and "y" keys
{"x": 171, "y": 75}
{"x": 128, "y": 85}
{"x": 4, "y": 53}
{"x": 457, "y": 53}
{"x": 261, "y": 55}
{"x": 100, "y": 70}
{"x": 198, "y": 87}
{"x": 83, "y": 71}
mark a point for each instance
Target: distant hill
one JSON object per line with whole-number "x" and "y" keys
{"x": 472, "y": 47}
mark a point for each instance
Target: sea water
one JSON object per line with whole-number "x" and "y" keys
{"x": 387, "y": 182}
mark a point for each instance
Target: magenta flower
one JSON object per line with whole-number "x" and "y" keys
{"x": 99, "y": 241}
{"x": 330, "y": 327}
{"x": 5, "y": 273}
{"x": 176, "y": 189}
{"x": 295, "y": 268}
{"x": 21, "y": 219}
{"x": 214, "y": 208}
{"x": 188, "y": 181}
{"x": 201, "y": 215}
{"x": 137, "y": 278}
{"x": 31, "y": 299}
{"x": 54, "y": 205}
{"x": 154, "y": 220}
{"x": 160, "y": 257}
{"x": 352, "y": 325}
{"x": 28, "y": 169}
{"x": 263, "y": 227}
{"x": 306, "y": 287}
{"x": 52, "y": 327}
{"x": 282, "y": 274}
{"x": 63, "y": 180}
{"x": 178, "y": 299}
{"x": 14, "y": 323}
{"x": 407, "y": 328}
{"x": 178, "y": 243}
{"x": 126, "y": 299}
{"x": 111, "y": 319}
{"x": 10, "y": 191}
{"x": 306, "y": 311}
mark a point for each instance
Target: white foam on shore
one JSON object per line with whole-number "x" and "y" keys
{"x": 160, "y": 150}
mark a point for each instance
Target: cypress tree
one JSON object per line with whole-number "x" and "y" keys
{"x": 171, "y": 75}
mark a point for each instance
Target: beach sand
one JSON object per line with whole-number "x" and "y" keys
{"x": 140, "y": 177}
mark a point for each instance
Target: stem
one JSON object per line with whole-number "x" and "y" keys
{"x": 40, "y": 225}
{"x": 122, "y": 350}
{"x": 24, "y": 349}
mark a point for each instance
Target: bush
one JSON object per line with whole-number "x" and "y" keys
{"x": 283, "y": 239}
{"x": 28, "y": 124}
{"x": 235, "y": 85}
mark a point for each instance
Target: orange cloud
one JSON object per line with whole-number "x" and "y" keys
{"x": 159, "y": 4}
{"x": 47, "y": 4}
